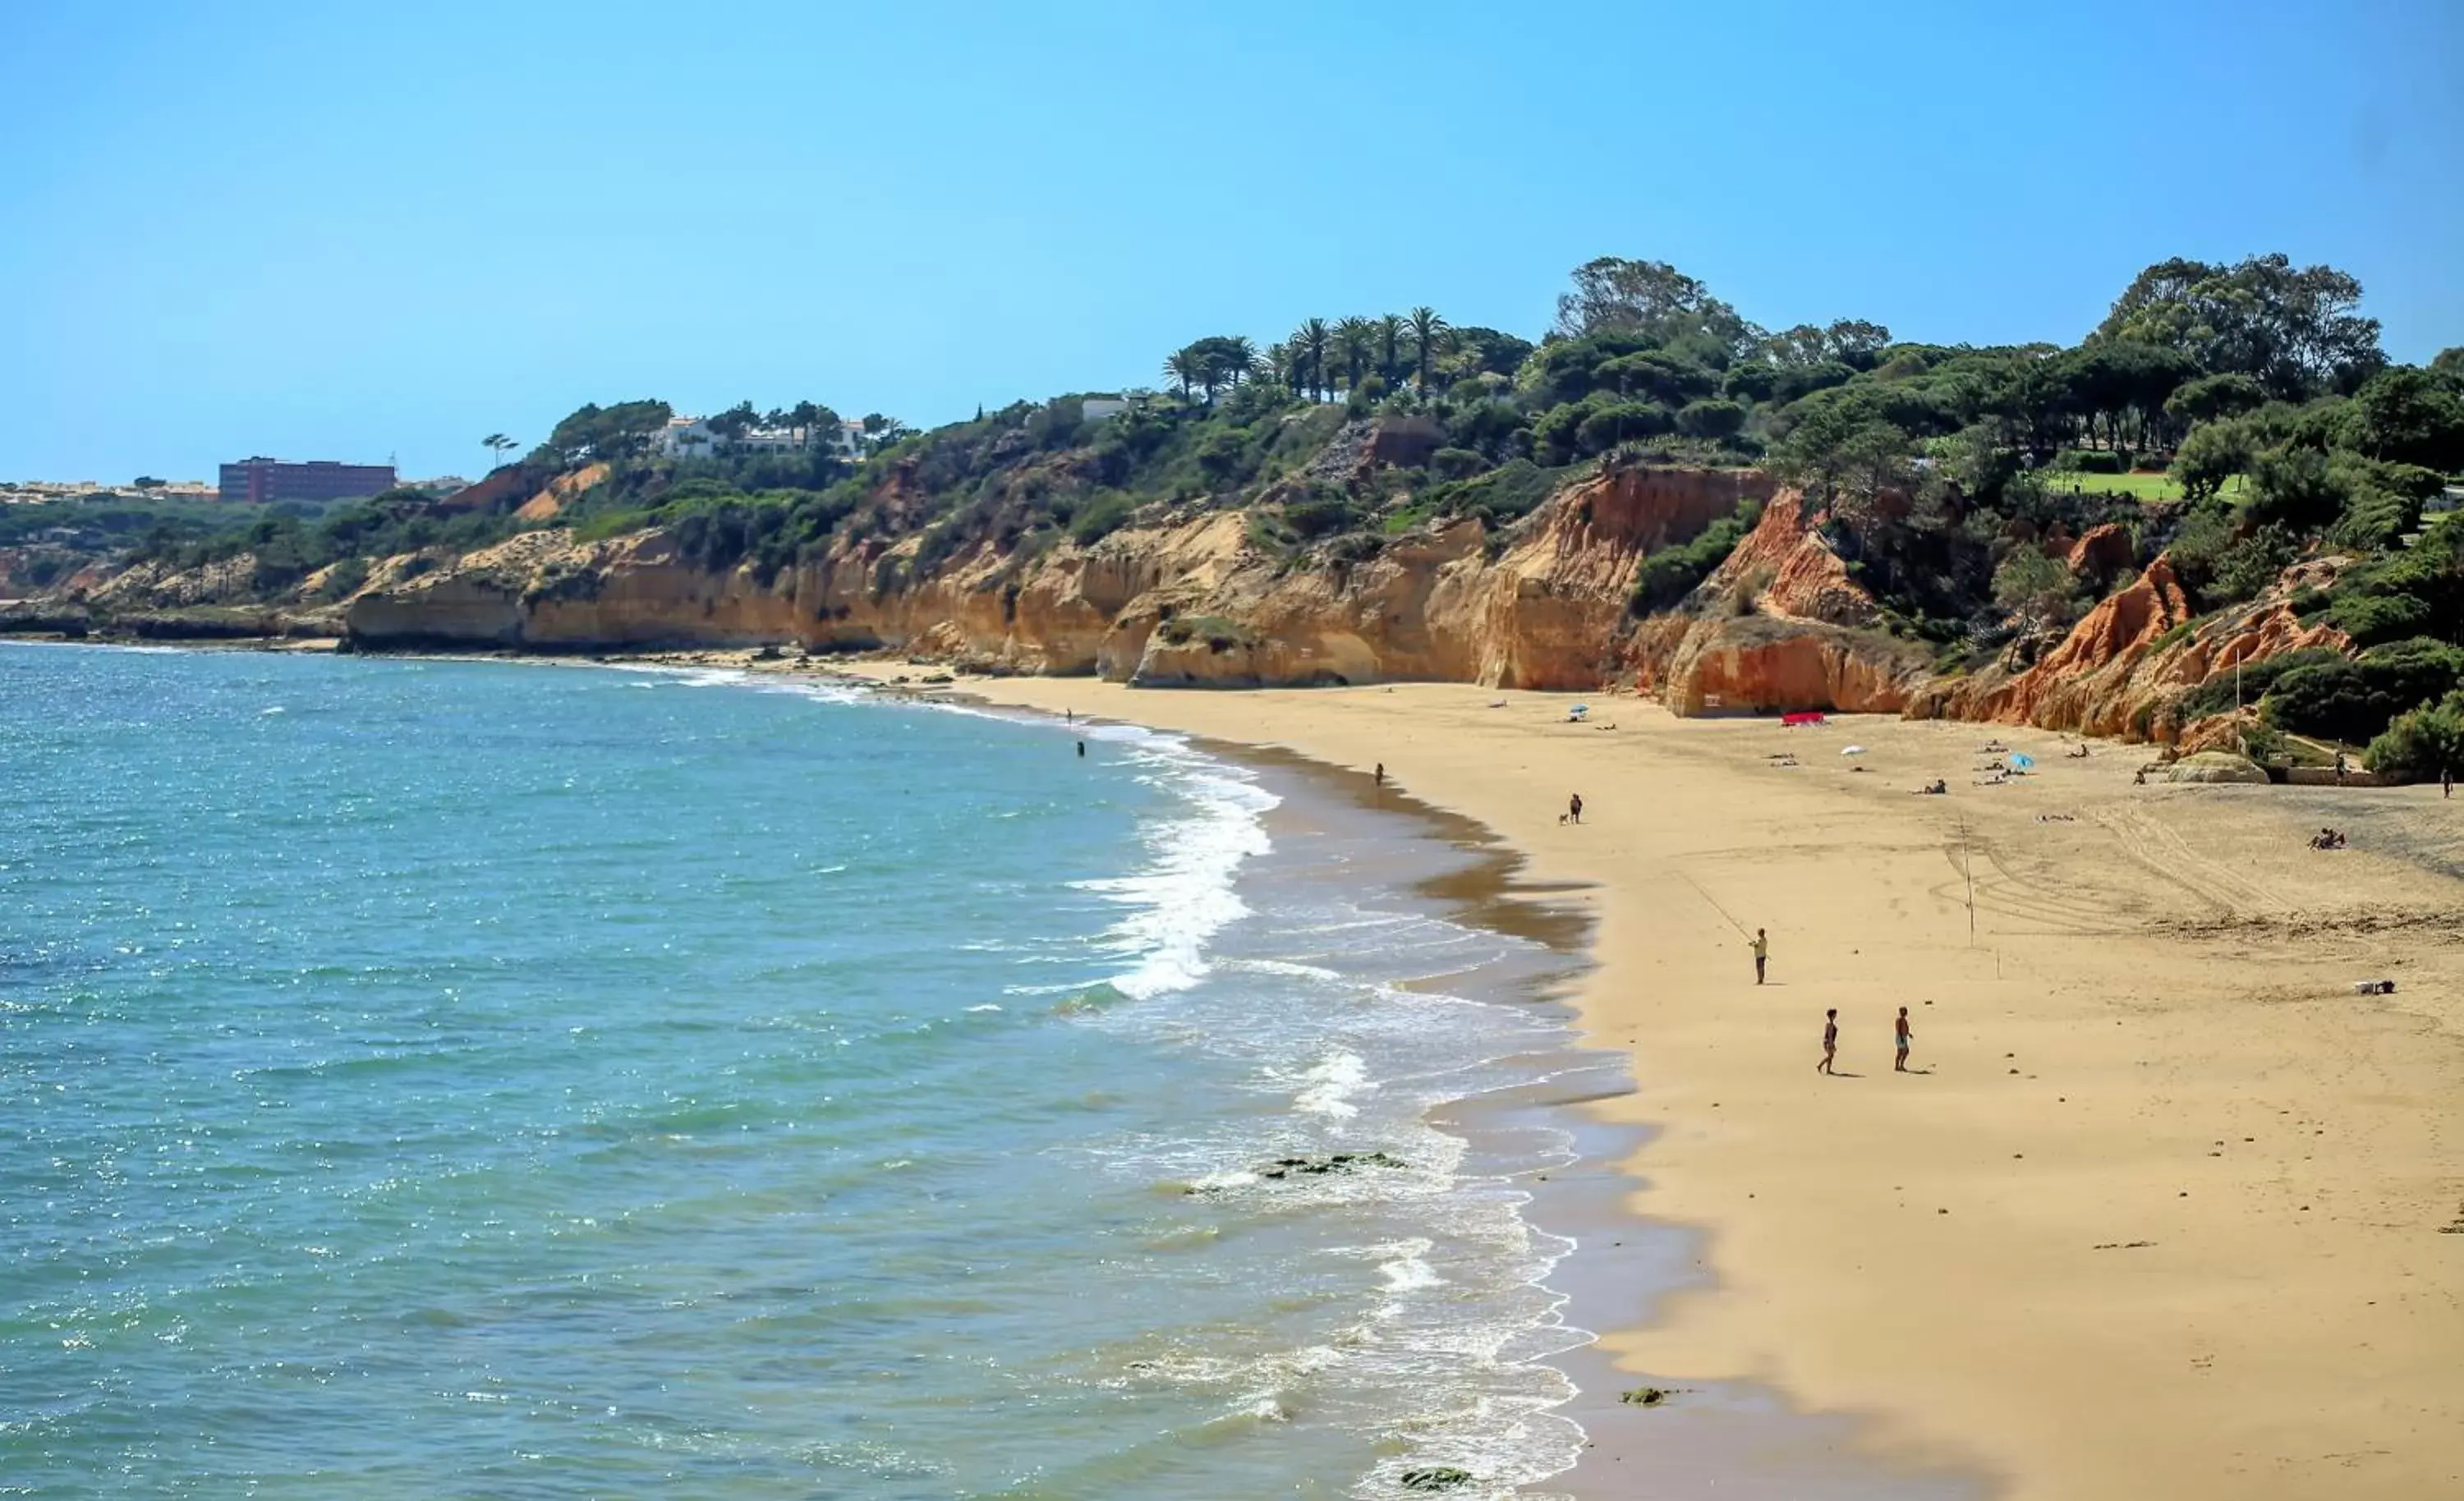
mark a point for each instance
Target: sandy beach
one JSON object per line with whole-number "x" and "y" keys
{"x": 2162, "y": 1208}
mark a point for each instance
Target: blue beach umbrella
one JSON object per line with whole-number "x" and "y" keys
{"x": 2022, "y": 762}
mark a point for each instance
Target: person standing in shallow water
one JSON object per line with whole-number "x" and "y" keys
{"x": 1899, "y": 1036}
{"x": 1574, "y": 808}
{"x": 1762, "y": 953}
{"x": 1830, "y": 1041}
{"x": 1082, "y": 749}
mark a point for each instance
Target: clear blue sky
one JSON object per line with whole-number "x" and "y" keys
{"x": 347, "y": 230}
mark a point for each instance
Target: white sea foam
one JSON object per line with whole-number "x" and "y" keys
{"x": 1409, "y": 1273}
{"x": 1183, "y": 896}
{"x": 1347, "y": 1048}
{"x": 1332, "y": 1082}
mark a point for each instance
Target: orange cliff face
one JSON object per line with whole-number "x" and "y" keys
{"x": 2124, "y": 667}
{"x": 1431, "y": 604}
{"x": 1780, "y": 625}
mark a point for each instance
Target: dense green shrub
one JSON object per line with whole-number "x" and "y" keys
{"x": 2354, "y": 700}
{"x": 2214, "y": 453}
{"x": 1100, "y": 517}
{"x": 2216, "y": 695}
{"x": 1671, "y": 573}
{"x": 1622, "y": 421}
{"x": 2418, "y": 590}
{"x": 1554, "y": 432}
{"x": 1456, "y": 464}
{"x": 2423, "y": 743}
{"x": 1714, "y": 420}
{"x": 1223, "y": 456}
{"x": 2375, "y": 519}
{"x": 1320, "y": 513}
{"x": 2368, "y": 618}
{"x": 1506, "y": 493}
{"x": 2088, "y": 461}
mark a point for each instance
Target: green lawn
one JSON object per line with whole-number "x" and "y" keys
{"x": 2137, "y": 487}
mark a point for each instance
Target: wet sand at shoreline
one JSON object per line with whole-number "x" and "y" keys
{"x": 2165, "y": 1209}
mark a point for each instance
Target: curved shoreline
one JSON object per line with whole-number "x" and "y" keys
{"x": 2037, "y": 1238}
{"x": 1742, "y": 1436}
{"x": 2167, "y": 1184}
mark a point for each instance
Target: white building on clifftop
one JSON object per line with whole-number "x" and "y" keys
{"x": 692, "y": 438}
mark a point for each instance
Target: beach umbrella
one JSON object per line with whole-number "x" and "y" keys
{"x": 1852, "y": 750}
{"x": 2022, "y": 762}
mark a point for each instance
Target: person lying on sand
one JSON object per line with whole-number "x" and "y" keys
{"x": 2079, "y": 754}
{"x": 1936, "y": 788}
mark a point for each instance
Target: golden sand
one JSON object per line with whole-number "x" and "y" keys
{"x": 2165, "y": 1209}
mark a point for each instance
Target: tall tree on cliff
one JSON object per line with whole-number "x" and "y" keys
{"x": 2294, "y": 330}
{"x": 1656, "y": 300}
{"x": 1238, "y": 355}
{"x": 1310, "y": 345}
{"x": 1390, "y": 347}
{"x": 1185, "y": 369}
{"x": 1428, "y": 335}
{"x": 1356, "y": 340}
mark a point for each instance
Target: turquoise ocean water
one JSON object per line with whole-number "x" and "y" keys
{"x": 480, "y": 1079}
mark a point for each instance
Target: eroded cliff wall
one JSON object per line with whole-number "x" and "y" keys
{"x": 1195, "y": 603}
{"x": 1781, "y": 624}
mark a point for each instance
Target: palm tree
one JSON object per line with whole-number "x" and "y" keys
{"x": 1310, "y": 342}
{"x": 1428, "y": 331}
{"x": 1240, "y": 357}
{"x": 1185, "y": 369}
{"x": 496, "y": 442}
{"x": 1389, "y": 341}
{"x": 1356, "y": 340}
{"x": 1280, "y": 364}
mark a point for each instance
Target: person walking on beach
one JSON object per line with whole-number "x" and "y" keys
{"x": 2446, "y": 781}
{"x": 1830, "y": 1041}
{"x": 1762, "y": 953}
{"x": 1381, "y": 773}
{"x": 1574, "y": 808}
{"x": 1900, "y": 1034}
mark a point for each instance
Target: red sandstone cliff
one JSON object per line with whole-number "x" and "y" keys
{"x": 1779, "y": 626}
{"x": 2123, "y": 669}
